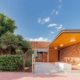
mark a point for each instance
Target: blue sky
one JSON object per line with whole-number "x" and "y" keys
{"x": 42, "y": 19}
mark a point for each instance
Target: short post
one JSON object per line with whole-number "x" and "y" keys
{"x": 33, "y": 63}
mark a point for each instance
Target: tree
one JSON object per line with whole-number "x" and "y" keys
{"x": 8, "y": 40}
{"x": 6, "y": 24}
{"x": 27, "y": 50}
{"x": 19, "y": 37}
{"x": 7, "y": 36}
{"x": 30, "y": 52}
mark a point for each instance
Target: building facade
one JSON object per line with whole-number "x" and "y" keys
{"x": 65, "y": 47}
{"x": 40, "y": 50}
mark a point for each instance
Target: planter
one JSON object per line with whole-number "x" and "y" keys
{"x": 63, "y": 66}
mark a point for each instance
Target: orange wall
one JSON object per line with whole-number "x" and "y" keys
{"x": 53, "y": 55}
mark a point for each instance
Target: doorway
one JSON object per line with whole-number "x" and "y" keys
{"x": 58, "y": 55}
{"x": 42, "y": 57}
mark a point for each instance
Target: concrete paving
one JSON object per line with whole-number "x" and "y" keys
{"x": 45, "y": 68}
{"x": 49, "y": 68}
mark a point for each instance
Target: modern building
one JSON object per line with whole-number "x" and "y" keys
{"x": 65, "y": 47}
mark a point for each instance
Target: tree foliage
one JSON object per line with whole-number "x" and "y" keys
{"x": 9, "y": 39}
{"x": 6, "y": 24}
{"x": 7, "y": 36}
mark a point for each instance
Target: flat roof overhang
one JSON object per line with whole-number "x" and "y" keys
{"x": 65, "y": 38}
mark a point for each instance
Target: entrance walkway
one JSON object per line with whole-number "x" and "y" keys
{"x": 44, "y": 68}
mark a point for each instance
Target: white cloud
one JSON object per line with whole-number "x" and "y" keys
{"x": 52, "y": 32}
{"x": 38, "y": 39}
{"x": 39, "y": 20}
{"x": 57, "y": 13}
{"x": 53, "y": 12}
{"x": 45, "y": 20}
{"x": 60, "y": 6}
{"x": 60, "y": 0}
{"x": 52, "y": 25}
{"x": 60, "y": 26}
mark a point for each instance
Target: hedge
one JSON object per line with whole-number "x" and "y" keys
{"x": 10, "y": 62}
{"x": 28, "y": 62}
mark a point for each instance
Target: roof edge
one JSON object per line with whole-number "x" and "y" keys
{"x": 39, "y": 41}
{"x": 64, "y": 31}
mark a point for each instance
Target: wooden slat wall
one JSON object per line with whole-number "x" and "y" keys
{"x": 53, "y": 55}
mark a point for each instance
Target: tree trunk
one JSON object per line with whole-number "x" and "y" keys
{"x": 24, "y": 59}
{"x": 23, "y": 63}
{"x": 6, "y": 51}
{"x": 2, "y": 51}
{"x": 9, "y": 50}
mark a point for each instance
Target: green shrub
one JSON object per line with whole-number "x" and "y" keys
{"x": 10, "y": 62}
{"x": 19, "y": 51}
{"x": 28, "y": 62}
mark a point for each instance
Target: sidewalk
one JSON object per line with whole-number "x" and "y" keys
{"x": 29, "y": 76}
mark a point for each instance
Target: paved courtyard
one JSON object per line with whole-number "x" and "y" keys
{"x": 44, "y": 68}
